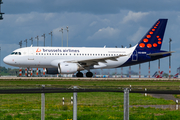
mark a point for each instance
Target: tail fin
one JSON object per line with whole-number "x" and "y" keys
{"x": 176, "y": 75}
{"x": 154, "y": 37}
{"x": 155, "y": 74}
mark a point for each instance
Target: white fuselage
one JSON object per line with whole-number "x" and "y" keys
{"x": 49, "y": 57}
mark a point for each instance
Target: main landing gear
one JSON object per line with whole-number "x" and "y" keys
{"x": 80, "y": 74}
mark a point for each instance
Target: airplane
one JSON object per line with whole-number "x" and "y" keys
{"x": 176, "y": 75}
{"x": 158, "y": 74}
{"x": 68, "y": 60}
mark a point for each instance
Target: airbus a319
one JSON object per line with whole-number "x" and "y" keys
{"x": 67, "y": 60}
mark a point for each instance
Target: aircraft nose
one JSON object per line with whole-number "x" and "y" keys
{"x": 7, "y": 60}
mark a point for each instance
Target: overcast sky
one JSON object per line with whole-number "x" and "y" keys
{"x": 92, "y": 23}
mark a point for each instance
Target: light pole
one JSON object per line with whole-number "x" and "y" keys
{"x": 1, "y": 14}
{"x": 139, "y": 70}
{"x": 130, "y": 66}
{"x": 149, "y": 69}
{"x": 31, "y": 40}
{"x": 122, "y": 67}
{"x": 51, "y": 37}
{"x": 20, "y": 43}
{"x": 159, "y": 65}
{"x": 0, "y": 56}
{"x": 62, "y": 36}
{"x": 44, "y": 39}
{"x": 170, "y": 40}
{"x": 67, "y": 34}
{"x": 26, "y": 42}
{"x": 37, "y": 39}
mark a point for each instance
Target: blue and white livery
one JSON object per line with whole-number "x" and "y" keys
{"x": 66, "y": 60}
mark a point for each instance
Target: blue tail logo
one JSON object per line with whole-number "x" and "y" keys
{"x": 154, "y": 37}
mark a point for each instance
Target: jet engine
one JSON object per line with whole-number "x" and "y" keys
{"x": 64, "y": 68}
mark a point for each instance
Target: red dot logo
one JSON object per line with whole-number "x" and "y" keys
{"x": 145, "y": 40}
{"x": 154, "y": 45}
{"x": 151, "y": 33}
{"x": 149, "y": 45}
{"x": 148, "y": 36}
{"x": 159, "y": 38}
{"x": 159, "y": 42}
{"x": 142, "y": 45}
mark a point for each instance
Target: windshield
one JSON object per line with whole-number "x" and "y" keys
{"x": 16, "y": 53}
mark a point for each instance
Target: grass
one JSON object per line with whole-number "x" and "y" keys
{"x": 91, "y": 106}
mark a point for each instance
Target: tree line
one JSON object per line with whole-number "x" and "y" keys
{"x": 8, "y": 71}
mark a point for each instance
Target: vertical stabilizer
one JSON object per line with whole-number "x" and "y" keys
{"x": 154, "y": 37}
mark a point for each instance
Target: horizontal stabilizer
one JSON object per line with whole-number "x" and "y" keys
{"x": 160, "y": 53}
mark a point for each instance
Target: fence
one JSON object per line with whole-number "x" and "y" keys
{"x": 77, "y": 90}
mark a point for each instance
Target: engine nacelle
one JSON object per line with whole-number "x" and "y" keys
{"x": 64, "y": 68}
{"x": 68, "y": 68}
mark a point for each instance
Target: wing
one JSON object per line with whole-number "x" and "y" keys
{"x": 90, "y": 62}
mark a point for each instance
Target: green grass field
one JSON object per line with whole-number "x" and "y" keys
{"x": 91, "y": 106}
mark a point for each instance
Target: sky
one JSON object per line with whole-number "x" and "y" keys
{"x": 91, "y": 23}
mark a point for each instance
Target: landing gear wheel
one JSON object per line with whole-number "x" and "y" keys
{"x": 89, "y": 74}
{"x": 79, "y": 74}
{"x": 28, "y": 73}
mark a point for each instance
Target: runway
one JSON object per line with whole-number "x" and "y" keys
{"x": 84, "y": 78}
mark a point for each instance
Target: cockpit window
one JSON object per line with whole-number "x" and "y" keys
{"x": 16, "y": 53}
